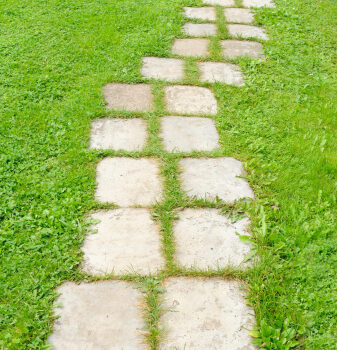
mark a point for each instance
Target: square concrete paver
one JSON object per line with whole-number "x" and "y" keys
{"x": 100, "y": 315}
{"x": 130, "y": 97}
{"x": 206, "y": 239}
{"x": 128, "y": 181}
{"x": 169, "y": 69}
{"x": 236, "y": 15}
{"x": 199, "y": 29}
{"x": 203, "y": 13}
{"x": 209, "y": 178}
{"x": 118, "y": 134}
{"x": 219, "y": 2}
{"x": 246, "y": 31}
{"x": 190, "y": 100}
{"x": 126, "y": 240}
{"x": 227, "y": 73}
{"x": 191, "y": 47}
{"x": 238, "y": 48}
{"x": 187, "y": 134}
{"x": 206, "y": 314}
{"x": 258, "y": 3}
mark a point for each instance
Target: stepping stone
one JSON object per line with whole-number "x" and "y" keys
{"x": 190, "y": 47}
{"x": 238, "y": 48}
{"x": 203, "y": 13}
{"x": 190, "y": 100}
{"x": 136, "y": 98}
{"x": 236, "y": 15}
{"x": 209, "y": 178}
{"x": 187, "y": 134}
{"x": 127, "y": 240}
{"x": 205, "y": 239}
{"x": 246, "y": 31}
{"x": 204, "y": 29}
{"x": 258, "y": 3}
{"x": 118, "y": 134}
{"x": 100, "y": 315}
{"x": 206, "y": 314}
{"x": 128, "y": 181}
{"x": 221, "y": 72}
{"x": 219, "y": 2}
{"x": 169, "y": 69}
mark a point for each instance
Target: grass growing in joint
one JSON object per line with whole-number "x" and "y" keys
{"x": 56, "y": 56}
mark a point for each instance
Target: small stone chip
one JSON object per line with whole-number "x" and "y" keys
{"x": 130, "y": 97}
{"x": 246, "y": 31}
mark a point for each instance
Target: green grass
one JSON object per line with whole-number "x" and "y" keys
{"x": 55, "y": 56}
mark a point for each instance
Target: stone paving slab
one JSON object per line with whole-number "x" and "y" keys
{"x": 246, "y": 31}
{"x": 236, "y": 15}
{"x": 203, "y": 29}
{"x": 118, "y": 134}
{"x": 206, "y": 239}
{"x": 184, "y": 99}
{"x": 206, "y": 314}
{"x": 227, "y": 73}
{"x": 127, "y": 240}
{"x": 203, "y": 13}
{"x": 209, "y": 178}
{"x": 100, "y": 315}
{"x": 169, "y": 69}
{"x": 191, "y": 47}
{"x": 238, "y": 48}
{"x": 258, "y": 3}
{"x": 219, "y": 2}
{"x": 130, "y": 97}
{"x": 187, "y": 134}
{"x": 128, "y": 181}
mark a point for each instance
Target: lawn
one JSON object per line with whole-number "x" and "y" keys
{"x": 56, "y": 55}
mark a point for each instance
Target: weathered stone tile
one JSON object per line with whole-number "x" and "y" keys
{"x": 258, "y": 3}
{"x": 238, "y": 15}
{"x": 209, "y": 178}
{"x": 131, "y": 97}
{"x": 118, "y": 134}
{"x": 206, "y": 314}
{"x": 219, "y": 2}
{"x": 238, "y": 48}
{"x": 128, "y": 181}
{"x": 203, "y": 13}
{"x": 246, "y": 31}
{"x": 100, "y": 315}
{"x": 169, "y": 69}
{"x": 221, "y": 72}
{"x": 190, "y": 47}
{"x": 206, "y": 239}
{"x": 203, "y": 29}
{"x": 187, "y": 134}
{"x": 127, "y": 240}
{"x": 190, "y": 100}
